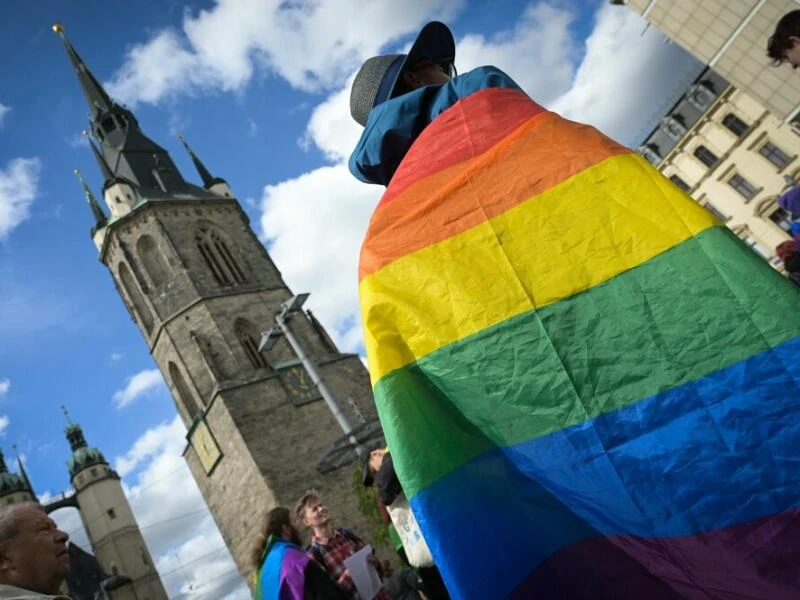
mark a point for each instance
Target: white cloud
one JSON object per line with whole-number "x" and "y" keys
{"x": 538, "y": 53}
{"x": 4, "y": 110}
{"x": 5, "y": 385}
{"x": 77, "y": 140}
{"x": 315, "y": 224}
{"x": 19, "y": 184}
{"x": 138, "y": 385}
{"x": 180, "y": 533}
{"x": 625, "y": 77}
{"x": 312, "y": 44}
{"x": 5, "y": 421}
{"x": 116, "y": 357}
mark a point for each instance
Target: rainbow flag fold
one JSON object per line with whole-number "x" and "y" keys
{"x": 589, "y": 385}
{"x": 282, "y": 573}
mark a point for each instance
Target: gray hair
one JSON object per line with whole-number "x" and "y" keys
{"x": 9, "y": 519}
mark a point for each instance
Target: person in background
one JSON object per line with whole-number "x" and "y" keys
{"x": 784, "y": 44}
{"x": 33, "y": 554}
{"x": 282, "y": 569}
{"x": 377, "y": 467}
{"x": 331, "y": 546}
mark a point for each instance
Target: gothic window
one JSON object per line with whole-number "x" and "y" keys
{"x": 184, "y": 395}
{"x": 743, "y": 186}
{"x": 141, "y": 312}
{"x": 775, "y": 155}
{"x": 218, "y": 257}
{"x": 153, "y": 260}
{"x": 679, "y": 182}
{"x": 111, "y": 513}
{"x": 735, "y": 125}
{"x": 248, "y": 337}
{"x": 705, "y": 156}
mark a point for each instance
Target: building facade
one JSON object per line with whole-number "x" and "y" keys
{"x": 731, "y": 36}
{"x": 731, "y": 155}
{"x": 201, "y": 287}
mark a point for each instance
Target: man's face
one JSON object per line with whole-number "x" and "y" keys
{"x": 36, "y": 558}
{"x": 316, "y": 514}
{"x": 793, "y": 54}
{"x": 425, "y": 72}
{"x": 375, "y": 460}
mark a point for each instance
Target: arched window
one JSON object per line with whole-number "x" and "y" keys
{"x": 248, "y": 337}
{"x": 142, "y": 313}
{"x": 184, "y": 395}
{"x": 701, "y": 95}
{"x": 153, "y": 260}
{"x": 218, "y": 256}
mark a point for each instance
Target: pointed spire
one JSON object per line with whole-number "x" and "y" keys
{"x": 66, "y": 414}
{"x": 3, "y": 467}
{"x": 24, "y": 473}
{"x": 108, "y": 175}
{"x": 99, "y": 215}
{"x": 96, "y": 96}
{"x": 204, "y": 173}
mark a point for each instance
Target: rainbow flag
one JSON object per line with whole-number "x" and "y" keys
{"x": 590, "y": 387}
{"x": 282, "y": 574}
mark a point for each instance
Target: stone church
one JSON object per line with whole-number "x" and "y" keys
{"x": 201, "y": 288}
{"x": 121, "y": 567}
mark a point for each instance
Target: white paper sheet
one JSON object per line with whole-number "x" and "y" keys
{"x": 364, "y": 575}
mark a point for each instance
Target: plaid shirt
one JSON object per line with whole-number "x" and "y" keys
{"x": 332, "y": 554}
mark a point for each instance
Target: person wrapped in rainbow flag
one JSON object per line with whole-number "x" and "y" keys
{"x": 282, "y": 570}
{"x": 589, "y": 386}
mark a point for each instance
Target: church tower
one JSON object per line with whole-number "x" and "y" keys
{"x": 14, "y": 488}
{"x": 109, "y": 522}
{"x": 201, "y": 287}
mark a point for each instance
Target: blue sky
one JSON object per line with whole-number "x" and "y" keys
{"x": 259, "y": 88}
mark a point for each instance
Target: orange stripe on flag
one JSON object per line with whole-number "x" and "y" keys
{"x": 467, "y": 194}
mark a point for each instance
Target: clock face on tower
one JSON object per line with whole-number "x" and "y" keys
{"x": 205, "y": 445}
{"x": 297, "y": 383}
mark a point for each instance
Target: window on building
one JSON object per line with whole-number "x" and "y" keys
{"x": 93, "y": 472}
{"x": 775, "y": 155}
{"x": 111, "y": 513}
{"x": 714, "y": 211}
{"x": 139, "y": 309}
{"x": 781, "y": 218}
{"x": 185, "y": 397}
{"x": 218, "y": 257}
{"x": 248, "y": 337}
{"x": 153, "y": 260}
{"x": 744, "y": 187}
{"x": 735, "y": 125}
{"x": 705, "y": 156}
{"x": 680, "y": 182}
{"x": 757, "y": 246}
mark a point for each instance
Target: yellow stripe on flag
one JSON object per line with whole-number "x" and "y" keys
{"x": 599, "y": 223}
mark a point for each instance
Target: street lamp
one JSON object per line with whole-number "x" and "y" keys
{"x": 281, "y": 327}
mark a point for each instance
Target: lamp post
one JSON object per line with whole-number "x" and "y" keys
{"x": 268, "y": 339}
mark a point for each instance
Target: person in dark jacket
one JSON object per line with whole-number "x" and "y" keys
{"x": 378, "y": 468}
{"x": 282, "y": 565}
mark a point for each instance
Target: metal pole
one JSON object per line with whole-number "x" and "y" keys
{"x": 316, "y": 377}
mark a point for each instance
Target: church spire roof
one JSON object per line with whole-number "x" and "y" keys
{"x": 82, "y": 455}
{"x": 97, "y": 98}
{"x": 24, "y": 473}
{"x": 124, "y": 152}
{"x": 105, "y": 170}
{"x": 205, "y": 174}
{"x": 99, "y": 215}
